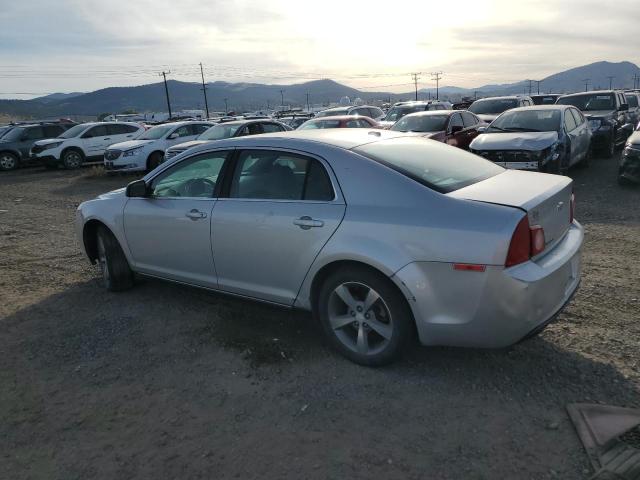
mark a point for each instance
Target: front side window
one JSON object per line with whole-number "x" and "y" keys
{"x": 199, "y": 128}
{"x": 156, "y": 132}
{"x": 73, "y": 131}
{"x": 183, "y": 131}
{"x": 192, "y": 178}
{"x": 577, "y": 116}
{"x": 271, "y": 128}
{"x": 52, "y": 131}
{"x": 469, "y": 119}
{"x": 434, "y": 165}
{"x": 34, "y": 133}
{"x": 99, "y": 131}
{"x": 455, "y": 121}
{"x": 274, "y": 175}
{"x": 632, "y": 100}
{"x": 569, "y": 121}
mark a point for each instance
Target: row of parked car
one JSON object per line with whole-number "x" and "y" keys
{"x": 548, "y": 132}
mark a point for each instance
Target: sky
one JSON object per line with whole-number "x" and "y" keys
{"x": 82, "y": 45}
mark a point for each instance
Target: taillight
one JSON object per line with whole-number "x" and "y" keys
{"x": 572, "y": 207}
{"x": 526, "y": 242}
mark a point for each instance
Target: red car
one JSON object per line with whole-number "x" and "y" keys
{"x": 339, "y": 121}
{"x": 453, "y": 127}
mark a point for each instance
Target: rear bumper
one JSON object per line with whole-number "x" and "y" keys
{"x": 497, "y": 307}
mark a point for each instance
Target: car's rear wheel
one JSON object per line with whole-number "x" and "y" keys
{"x": 364, "y": 316}
{"x": 8, "y": 161}
{"x": 114, "y": 267}
{"x": 154, "y": 160}
{"x": 72, "y": 159}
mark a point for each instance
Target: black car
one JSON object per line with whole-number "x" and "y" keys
{"x": 629, "y": 170}
{"x": 16, "y": 143}
{"x": 545, "y": 98}
{"x": 607, "y": 113}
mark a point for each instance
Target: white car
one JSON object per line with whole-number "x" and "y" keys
{"x": 83, "y": 143}
{"x": 147, "y": 151}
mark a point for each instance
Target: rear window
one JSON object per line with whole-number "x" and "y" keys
{"x": 437, "y": 166}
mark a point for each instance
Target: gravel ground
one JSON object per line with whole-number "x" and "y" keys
{"x": 166, "y": 381}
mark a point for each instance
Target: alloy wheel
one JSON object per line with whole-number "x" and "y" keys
{"x": 360, "y": 318}
{"x": 7, "y": 162}
{"x": 72, "y": 159}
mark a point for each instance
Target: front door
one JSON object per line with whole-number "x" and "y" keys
{"x": 96, "y": 140}
{"x": 281, "y": 209}
{"x": 169, "y": 233}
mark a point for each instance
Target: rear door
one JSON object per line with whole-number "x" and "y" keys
{"x": 583, "y": 137}
{"x": 169, "y": 233}
{"x": 281, "y": 209}
{"x": 455, "y": 137}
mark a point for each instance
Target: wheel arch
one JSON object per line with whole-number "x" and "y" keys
{"x": 154, "y": 152}
{"x": 90, "y": 238}
{"x": 73, "y": 147}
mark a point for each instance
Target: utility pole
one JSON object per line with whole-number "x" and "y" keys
{"x": 538, "y": 82}
{"x": 166, "y": 91}
{"x": 475, "y": 95}
{"x": 437, "y": 76}
{"x": 530, "y": 84}
{"x": 415, "y": 77}
{"x": 586, "y": 84}
{"x": 282, "y": 99}
{"x": 308, "y": 106}
{"x": 226, "y": 106}
{"x": 610, "y": 77}
{"x": 204, "y": 90}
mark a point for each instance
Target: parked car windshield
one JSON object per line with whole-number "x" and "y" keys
{"x": 436, "y": 166}
{"x": 14, "y": 134}
{"x": 73, "y": 131}
{"x": 220, "y": 131}
{"x": 156, "y": 132}
{"x": 396, "y": 113}
{"x": 421, "y": 123}
{"x": 315, "y": 124}
{"x": 527, "y": 121}
{"x": 493, "y": 105}
{"x": 331, "y": 113}
{"x": 589, "y": 101}
{"x": 5, "y": 130}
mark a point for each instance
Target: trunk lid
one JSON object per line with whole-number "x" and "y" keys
{"x": 545, "y": 198}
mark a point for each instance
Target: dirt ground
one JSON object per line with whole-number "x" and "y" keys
{"x": 166, "y": 381}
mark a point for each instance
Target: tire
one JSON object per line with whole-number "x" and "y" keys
{"x": 154, "y": 160}
{"x": 364, "y": 316}
{"x": 8, "y": 161}
{"x": 72, "y": 159}
{"x": 611, "y": 147}
{"x": 113, "y": 265}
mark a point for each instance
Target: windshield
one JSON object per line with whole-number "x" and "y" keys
{"x": 74, "y": 131}
{"x": 156, "y": 132}
{"x": 527, "y": 121}
{"x": 632, "y": 100}
{"x": 436, "y": 166}
{"x": 396, "y": 113}
{"x": 493, "y": 105}
{"x": 331, "y": 113}
{"x": 314, "y": 124}
{"x": 220, "y": 131}
{"x": 5, "y": 130}
{"x": 14, "y": 134}
{"x": 589, "y": 101}
{"x": 421, "y": 123}
{"x": 544, "y": 100}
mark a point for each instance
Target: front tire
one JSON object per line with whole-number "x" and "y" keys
{"x": 72, "y": 159}
{"x": 364, "y": 316}
{"x": 8, "y": 161}
{"x": 113, "y": 264}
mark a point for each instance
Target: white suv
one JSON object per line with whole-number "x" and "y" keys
{"x": 147, "y": 151}
{"x": 83, "y": 143}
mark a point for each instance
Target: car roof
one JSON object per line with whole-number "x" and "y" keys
{"x": 541, "y": 107}
{"x": 431, "y": 113}
{"x": 502, "y": 97}
{"x": 248, "y": 121}
{"x": 597, "y": 92}
{"x": 339, "y": 117}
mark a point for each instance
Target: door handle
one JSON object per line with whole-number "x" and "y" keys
{"x": 307, "y": 222}
{"x": 106, "y": 139}
{"x": 195, "y": 214}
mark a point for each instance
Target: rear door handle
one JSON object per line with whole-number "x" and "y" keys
{"x": 195, "y": 214}
{"x": 307, "y": 222}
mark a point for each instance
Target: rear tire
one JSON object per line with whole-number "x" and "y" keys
{"x": 113, "y": 264}
{"x": 8, "y": 161}
{"x": 72, "y": 159}
{"x": 154, "y": 160}
{"x": 364, "y": 316}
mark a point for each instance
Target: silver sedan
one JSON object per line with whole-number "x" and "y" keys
{"x": 383, "y": 236}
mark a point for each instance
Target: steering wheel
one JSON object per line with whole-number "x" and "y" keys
{"x": 198, "y": 187}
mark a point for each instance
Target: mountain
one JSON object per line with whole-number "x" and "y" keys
{"x": 255, "y": 96}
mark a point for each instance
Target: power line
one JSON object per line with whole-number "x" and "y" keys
{"x": 437, "y": 76}
{"x": 166, "y": 91}
{"x": 610, "y": 77}
{"x": 415, "y": 77}
{"x": 204, "y": 91}
{"x": 586, "y": 84}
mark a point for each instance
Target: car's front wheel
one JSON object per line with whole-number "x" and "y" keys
{"x": 72, "y": 159}
{"x": 112, "y": 262}
{"x": 364, "y": 316}
{"x": 8, "y": 161}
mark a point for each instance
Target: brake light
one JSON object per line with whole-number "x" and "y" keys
{"x": 526, "y": 242}
{"x": 572, "y": 207}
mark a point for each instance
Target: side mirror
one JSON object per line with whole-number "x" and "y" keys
{"x": 482, "y": 129}
{"x": 624, "y": 107}
{"x": 456, "y": 128}
{"x": 172, "y": 136}
{"x": 137, "y": 189}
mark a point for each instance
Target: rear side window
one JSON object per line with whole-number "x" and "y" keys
{"x": 437, "y": 166}
{"x": 271, "y": 128}
{"x": 274, "y": 175}
{"x": 34, "y": 133}
{"x": 577, "y": 116}
{"x": 469, "y": 119}
{"x": 632, "y": 100}
{"x": 52, "y": 131}
{"x": 199, "y": 128}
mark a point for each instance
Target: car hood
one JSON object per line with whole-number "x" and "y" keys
{"x": 186, "y": 145}
{"x": 634, "y": 139}
{"x": 487, "y": 117}
{"x": 514, "y": 141}
{"x": 120, "y": 192}
{"x": 48, "y": 141}
{"x": 599, "y": 114}
{"x": 385, "y": 124}
{"x": 128, "y": 145}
